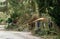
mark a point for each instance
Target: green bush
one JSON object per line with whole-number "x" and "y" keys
{"x": 11, "y": 27}
{"x": 9, "y": 20}
{"x": 1, "y": 20}
{"x": 40, "y": 32}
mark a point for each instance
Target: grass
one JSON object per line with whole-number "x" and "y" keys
{"x": 48, "y": 37}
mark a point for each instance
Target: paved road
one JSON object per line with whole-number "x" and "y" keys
{"x": 16, "y": 35}
{"x": 2, "y": 27}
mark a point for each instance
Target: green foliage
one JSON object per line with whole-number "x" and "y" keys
{"x": 53, "y": 7}
{"x": 1, "y": 20}
{"x": 9, "y": 20}
{"x": 14, "y": 3}
{"x": 19, "y": 10}
{"x": 55, "y": 13}
{"x": 11, "y": 27}
{"x": 39, "y": 32}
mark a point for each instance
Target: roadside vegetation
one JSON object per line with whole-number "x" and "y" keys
{"x": 41, "y": 17}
